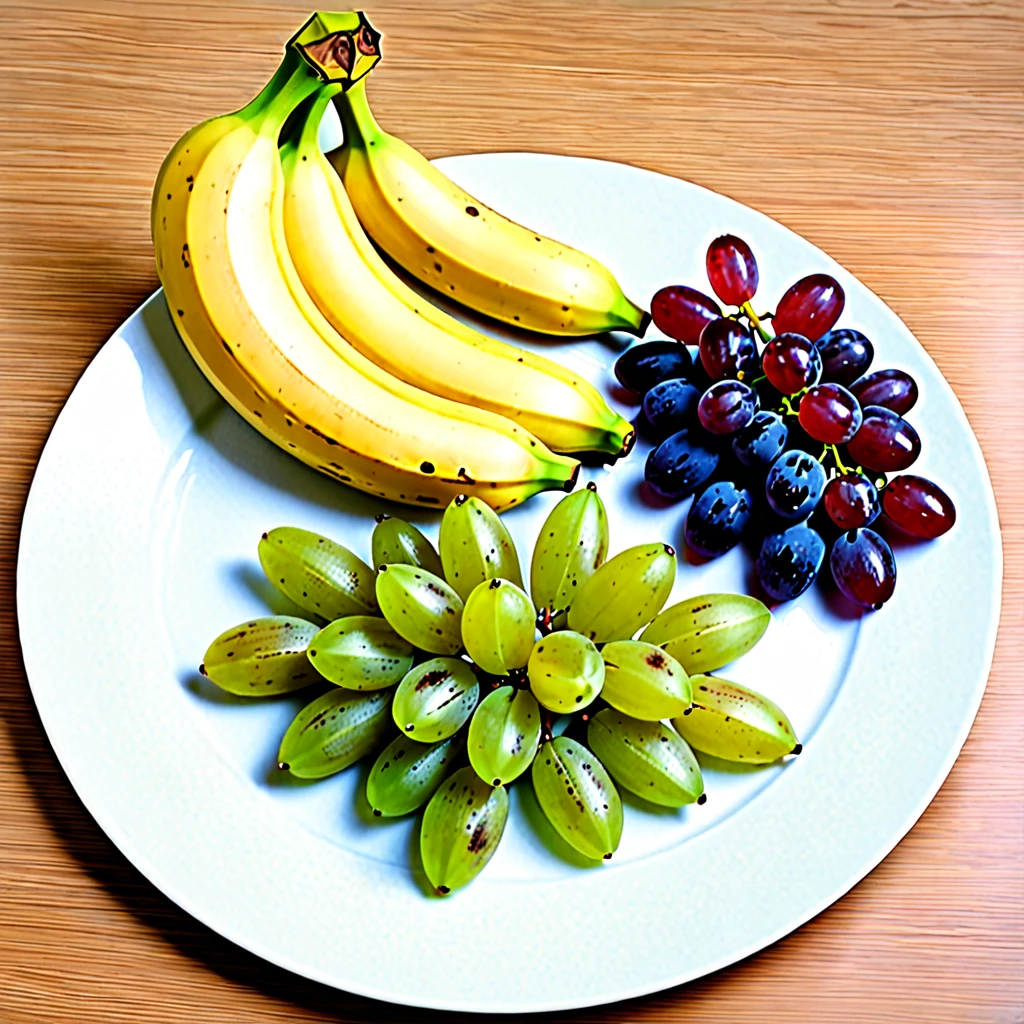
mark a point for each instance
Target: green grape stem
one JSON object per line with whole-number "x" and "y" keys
{"x": 755, "y": 321}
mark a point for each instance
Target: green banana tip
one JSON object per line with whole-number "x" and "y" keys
{"x": 571, "y": 482}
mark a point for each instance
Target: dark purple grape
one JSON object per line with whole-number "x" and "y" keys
{"x": 727, "y": 406}
{"x": 670, "y": 406}
{"x": 830, "y": 414}
{"x": 891, "y": 389}
{"x": 810, "y": 307}
{"x": 732, "y": 270}
{"x": 794, "y": 485}
{"x": 846, "y": 355}
{"x": 851, "y": 501}
{"x": 791, "y": 363}
{"x": 918, "y": 507}
{"x": 679, "y": 465}
{"x": 647, "y": 364}
{"x": 886, "y": 442}
{"x": 682, "y": 312}
{"x": 789, "y": 562}
{"x": 718, "y": 518}
{"x": 761, "y": 442}
{"x": 863, "y": 567}
{"x": 727, "y": 349}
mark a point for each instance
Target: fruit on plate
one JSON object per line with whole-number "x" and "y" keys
{"x": 792, "y": 420}
{"x": 571, "y": 546}
{"x": 319, "y": 575}
{"x": 434, "y": 700}
{"x": 360, "y": 652}
{"x": 557, "y": 709}
{"x": 706, "y": 632}
{"x": 578, "y": 797}
{"x": 644, "y": 681}
{"x": 462, "y": 248}
{"x": 625, "y": 593}
{"x": 462, "y": 826}
{"x": 736, "y": 723}
{"x": 408, "y": 336}
{"x": 504, "y": 735}
{"x": 243, "y": 313}
{"x": 498, "y": 627}
{"x": 406, "y": 774}
{"x": 263, "y": 657}
{"x": 394, "y": 540}
{"x": 421, "y": 608}
{"x": 648, "y": 758}
{"x": 566, "y": 672}
{"x": 475, "y": 546}
{"x": 334, "y": 731}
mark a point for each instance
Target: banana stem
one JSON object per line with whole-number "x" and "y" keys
{"x": 292, "y": 83}
{"x": 361, "y": 129}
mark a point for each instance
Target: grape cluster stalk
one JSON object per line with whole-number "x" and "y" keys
{"x": 781, "y": 435}
{"x": 460, "y": 683}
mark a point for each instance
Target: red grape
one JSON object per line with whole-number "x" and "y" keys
{"x": 863, "y": 567}
{"x": 892, "y": 389}
{"x": 727, "y": 349}
{"x": 885, "y": 443}
{"x": 727, "y": 406}
{"x": 830, "y": 414}
{"x": 846, "y": 355}
{"x": 918, "y": 507}
{"x": 810, "y": 307}
{"x": 682, "y": 312}
{"x": 732, "y": 270}
{"x": 791, "y": 363}
{"x": 851, "y": 500}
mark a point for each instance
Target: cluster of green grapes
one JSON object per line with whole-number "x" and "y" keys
{"x": 448, "y": 647}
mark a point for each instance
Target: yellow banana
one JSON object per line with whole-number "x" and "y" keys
{"x": 457, "y": 245}
{"x": 408, "y": 336}
{"x": 219, "y": 235}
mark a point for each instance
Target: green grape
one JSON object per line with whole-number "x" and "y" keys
{"x": 578, "y": 797}
{"x": 261, "y": 657}
{"x": 394, "y": 541}
{"x": 705, "y": 633}
{"x": 461, "y": 829}
{"x": 475, "y": 546}
{"x": 336, "y": 730}
{"x": 498, "y": 626}
{"x": 735, "y": 723}
{"x": 503, "y": 735}
{"x": 406, "y": 774}
{"x": 571, "y": 545}
{"x": 644, "y": 681}
{"x": 647, "y": 758}
{"x": 625, "y": 593}
{"x": 421, "y": 608}
{"x": 435, "y": 699}
{"x": 566, "y": 672}
{"x": 319, "y": 575}
{"x": 361, "y": 652}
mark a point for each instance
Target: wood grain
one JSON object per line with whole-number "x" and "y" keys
{"x": 889, "y": 133}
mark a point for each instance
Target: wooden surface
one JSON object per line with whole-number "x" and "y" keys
{"x": 889, "y": 133}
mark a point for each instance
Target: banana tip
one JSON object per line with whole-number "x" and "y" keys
{"x": 571, "y": 482}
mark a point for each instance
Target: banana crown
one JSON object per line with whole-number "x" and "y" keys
{"x": 338, "y": 46}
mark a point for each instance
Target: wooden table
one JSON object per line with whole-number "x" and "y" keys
{"x": 889, "y": 133}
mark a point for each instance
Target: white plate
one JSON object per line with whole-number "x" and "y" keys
{"x": 139, "y": 545}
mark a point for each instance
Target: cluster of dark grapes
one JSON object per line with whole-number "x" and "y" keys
{"x": 782, "y": 436}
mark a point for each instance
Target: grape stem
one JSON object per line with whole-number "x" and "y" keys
{"x": 839, "y": 462}
{"x": 747, "y": 310}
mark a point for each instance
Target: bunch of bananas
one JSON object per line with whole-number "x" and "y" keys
{"x": 290, "y": 311}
